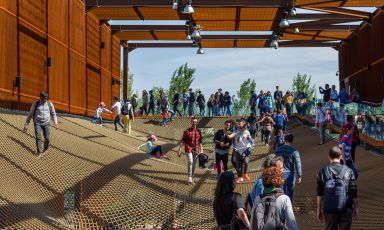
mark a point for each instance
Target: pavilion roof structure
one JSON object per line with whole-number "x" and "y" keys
{"x": 233, "y": 23}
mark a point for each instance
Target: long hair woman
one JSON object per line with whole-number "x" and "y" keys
{"x": 228, "y": 203}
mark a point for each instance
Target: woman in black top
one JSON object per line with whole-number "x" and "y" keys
{"x": 227, "y": 202}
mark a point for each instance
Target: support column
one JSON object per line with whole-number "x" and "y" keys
{"x": 125, "y": 71}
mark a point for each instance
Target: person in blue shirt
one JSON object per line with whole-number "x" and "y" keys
{"x": 279, "y": 139}
{"x": 153, "y": 150}
{"x": 343, "y": 96}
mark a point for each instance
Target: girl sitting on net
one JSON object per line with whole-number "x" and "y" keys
{"x": 153, "y": 150}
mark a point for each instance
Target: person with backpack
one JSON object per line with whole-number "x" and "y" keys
{"x": 127, "y": 116}
{"x": 336, "y": 200}
{"x": 278, "y": 97}
{"x": 280, "y": 121}
{"x": 191, "y": 102}
{"x": 273, "y": 209}
{"x": 222, "y": 146}
{"x": 151, "y": 103}
{"x": 134, "y": 102}
{"x": 292, "y": 165}
{"x": 185, "y": 102}
{"x": 228, "y": 206}
{"x": 117, "y": 108}
{"x": 252, "y": 125}
{"x": 279, "y": 139}
{"x": 321, "y": 122}
{"x": 41, "y": 112}
{"x": 201, "y": 102}
{"x": 355, "y": 134}
{"x": 267, "y": 123}
{"x": 97, "y": 114}
{"x": 258, "y": 188}
{"x": 345, "y": 146}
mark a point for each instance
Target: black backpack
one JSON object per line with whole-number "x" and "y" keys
{"x": 335, "y": 196}
{"x": 266, "y": 216}
{"x": 124, "y": 109}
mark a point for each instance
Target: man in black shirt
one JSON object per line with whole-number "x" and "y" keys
{"x": 201, "y": 102}
{"x": 326, "y": 92}
{"x": 176, "y": 99}
{"x": 222, "y": 147}
{"x": 278, "y": 97}
{"x": 337, "y": 220}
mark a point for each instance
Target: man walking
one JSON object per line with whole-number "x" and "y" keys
{"x": 278, "y": 97}
{"x": 185, "y": 102}
{"x": 320, "y": 122}
{"x": 253, "y": 102}
{"x": 337, "y": 198}
{"x": 117, "y": 107}
{"x": 192, "y": 141}
{"x": 191, "y": 103}
{"x": 127, "y": 116}
{"x": 41, "y": 112}
{"x": 223, "y": 144}
{"x": 326, "y": 93}
{"x": 201, "y": 102}
{"x": 292, "y": 165}
{"x": 176, "y": 99}
{"x": 288, "y": 101}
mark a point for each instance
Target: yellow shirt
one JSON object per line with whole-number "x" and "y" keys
{"x": 288, "y": 99}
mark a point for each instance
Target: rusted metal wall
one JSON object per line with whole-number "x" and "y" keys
{"x": 56, "y": 47}
{"x": 361, "y": 60}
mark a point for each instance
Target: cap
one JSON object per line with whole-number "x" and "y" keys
{"x": 153, "y": 137}
{"x": 102, "y": 104}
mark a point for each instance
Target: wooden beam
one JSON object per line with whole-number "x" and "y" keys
{"x": 160, "y": 45}
{"x": 122, "y": 28}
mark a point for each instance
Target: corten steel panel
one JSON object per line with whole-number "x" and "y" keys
{"x": 251, "y": 44}
{"x": 58, "y": 75}
{"x": 136, "y": 35}
{"x": 156, "y": 13}
{"x": 377, "y": 34}
{"x": 93, "y": 39}
{"x": 106, "y": 90}
{"x": 77, "y": 27}
{"x": 58, "y": 20}
{"x": 93, "y": 90}
{"x": 264, "y": 14}
{"x": 32, "y": 61}
{"x": 8, "y": 58}
{"x": 34, "y": 11}
{"x": 214, "y": 14}
{"x": 106, "y": 51}
{"x": 296, "y": 37}
{"x": 115, "y": 89}
{"x": 217, "y": 44}
{"x": 115, "y": 13}
{"x": 9, "y": 5}
{"x": 115, "y": 57}
{"x": 217, "y": 25}
{"x": 77, "y": 86}
{"x": 334, "y": 34}
{"x": 356, "y": 3}
{"x": 318, "y": 3}
{"x": 170, "y": 35}
{"x": 256, "y": 25}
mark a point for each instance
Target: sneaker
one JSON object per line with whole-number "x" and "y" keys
{"x": 190, "y": 180}
{"x": 246, "y": 176}
{"x": 239, "y": 180}
{"x": 101, "y": 125}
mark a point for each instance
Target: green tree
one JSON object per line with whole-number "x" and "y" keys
{"x": 243, "y": 95}
{"x": 302, "y": 83}
{"x": 182, "y": 79}
{"x": 130, "y": 84}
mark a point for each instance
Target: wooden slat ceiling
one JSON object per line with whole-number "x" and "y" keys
{"x": 239, "y": 15}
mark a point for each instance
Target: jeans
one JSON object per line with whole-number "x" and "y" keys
{"x": 221, "y": 158}
{"x": 172, "y": 113}
{"x": 216, "y": 110}
{"x": 185, "y": 109}
{"x": 151, "y": 108}
{"x": 117, "y": 120}
{"x": 202, "y": 111}
{"x": 289, "y": 184}
{"x": 228, "y": 110}
{"x": 288, "y": 107}
{"x": 267, "y": 136}
{"x": 338, "y": 221}
{"x": 353, "y": 150}
{"x": 45, "y": 128}
{"x": 95, "y": 120}
{"x": 352, "y": 166}
{"x": 278, "y": 105}
{"x": 164, "y": 122}
{"x": 155, "y": 150}
{"x": 176, "y": 109}
{"x": 145, "y": 109}
{"x": 192, "y": 158}
{"x": 241, "y": 164}
{"x": 322, "y": 132}
{"x": 209, "y": 111}
{"x": 126, "y": 122}
{"x": 191, "y": 109}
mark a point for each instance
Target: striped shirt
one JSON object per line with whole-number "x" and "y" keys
{"x": 347, "y": 141}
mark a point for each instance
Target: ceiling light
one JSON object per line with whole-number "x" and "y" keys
{"x": 296, "y": 30}
{"x": 189, "y": 37}
{"x": 293, "y": 12}
{"x": 175, "y": 3}
{"x": 275, "y": 44}
{"x": 200, "y": 50}
{"x": 284, "y": 23}
{"x": 188, "y": 9}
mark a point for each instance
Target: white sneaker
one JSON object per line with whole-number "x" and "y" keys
{"x": 101, "y": 125}
{"x": 190, "y": 179}
{"x": 241, "y": 179}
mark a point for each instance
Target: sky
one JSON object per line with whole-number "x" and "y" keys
{"x": 228, "y": 68}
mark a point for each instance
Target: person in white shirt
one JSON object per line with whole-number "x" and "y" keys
{"x": 127, "y": 116}
{"x": 117, "y": 108}
{"x": 97, "y": 115}
{"x": 321, "y": 122}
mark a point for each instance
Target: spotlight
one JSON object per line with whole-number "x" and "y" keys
{"x": 274, "y": 44}
{"x": 200, "y": 50}
{"x": 293, "y": 12}
{"x": 175, "y": 4}
{"x": 189, "y": 37}
{"x": 188, "y": 9}
{"x": 284, "y": 23}
{"x": 196, "y": 35}
{"x": 296, "y": 30}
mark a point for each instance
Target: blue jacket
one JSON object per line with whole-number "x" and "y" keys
{"x": 291, "y": 157}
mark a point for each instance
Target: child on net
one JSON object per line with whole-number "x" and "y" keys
{"x": 155, "y": 151}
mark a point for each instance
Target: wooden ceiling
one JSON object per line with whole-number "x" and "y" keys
{"x": 331, "y": 23}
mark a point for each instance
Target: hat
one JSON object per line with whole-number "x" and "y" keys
{"x": 153, "y": 137}
{"x": 44, "y": 94}
{"x": 102, "y": 104}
